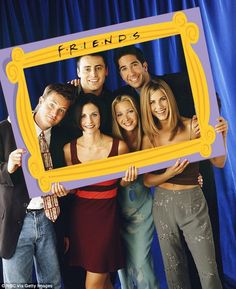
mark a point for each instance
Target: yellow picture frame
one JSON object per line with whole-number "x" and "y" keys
{"x": 96, "y": 170}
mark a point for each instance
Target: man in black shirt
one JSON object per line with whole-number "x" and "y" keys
{"x": 92, "y": 71}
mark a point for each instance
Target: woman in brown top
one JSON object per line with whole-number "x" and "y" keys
{"x": 94, "y": 233}
{"x": 179, "y": 210}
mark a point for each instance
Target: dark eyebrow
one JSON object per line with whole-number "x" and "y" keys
{"x": 122, "y": 67}
{"x": 89, "y": 66}
{"x": 133, "y": 62}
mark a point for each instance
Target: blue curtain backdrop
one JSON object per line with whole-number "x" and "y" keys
{"x": 25, "y": 21}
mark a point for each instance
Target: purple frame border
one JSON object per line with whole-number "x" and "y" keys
{"x": 9, "y": 89}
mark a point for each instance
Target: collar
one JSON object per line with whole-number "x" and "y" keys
{"x": 47, "y": 132}
{"x": 102, "y": 94}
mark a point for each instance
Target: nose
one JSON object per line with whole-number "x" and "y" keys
{"x": 93, "y": 72}
{"x": 155, "y": 107}
{"x": 54, "y": 112}
{"x": 126, "y": 117}
{"x": 90, "y": 120}
{"x": 159, "y": 105}
{"x": 131, "y": 70}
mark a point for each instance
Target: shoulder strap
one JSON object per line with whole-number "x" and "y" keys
{"x": 114, "y": 148}
{"x": 73, "y": 152}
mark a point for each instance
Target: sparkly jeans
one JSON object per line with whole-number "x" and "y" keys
{"x": 186, "y": 211}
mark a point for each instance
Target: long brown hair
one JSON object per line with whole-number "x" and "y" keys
{"x": 151, "y": 125}
{"x": 117, "y": 131}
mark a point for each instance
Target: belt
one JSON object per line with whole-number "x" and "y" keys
{"x": 33, "y": 210}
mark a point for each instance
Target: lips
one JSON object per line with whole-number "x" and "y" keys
{"x": 161, "y": 111}
{"x": 134, "y": 79}
{"x": 161, "y": 114}
{"x": 128, "y": 124}
{"x": 89, "y": 126}
{"x": 94, "y": 80}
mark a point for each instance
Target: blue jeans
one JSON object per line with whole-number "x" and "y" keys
{"x": 36, "y": 244}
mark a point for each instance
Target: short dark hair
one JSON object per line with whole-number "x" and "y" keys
{"x": 67, "y": 90}
{"x": 131, "y": 49}
{"x": 101, "y": 54}
{"x": 86, "y": 99}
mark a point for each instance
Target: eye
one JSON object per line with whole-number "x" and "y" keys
{"x": 62, "y": 111}
{"x": 118, "y": 114}
{"x": 131, "y": 111}
{"x": 99, "y": 68}
{"x": 152, "y": 101}
{"x": 163, "y": 98}
{"x": 51, "y": 105}
{"x": 135, "y": 65}
{"x": 95, "y": 114}
{"x": 83, "y": 116}
{"x": 87, "y": 69}
{"x": 123, "y": 69}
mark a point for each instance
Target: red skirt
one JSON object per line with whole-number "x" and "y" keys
{"x": 95, "y": 242}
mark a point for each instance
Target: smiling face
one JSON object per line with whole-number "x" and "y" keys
{"x": 90, "y": 118}
{"x": 126, "y": 116}
{"x": 92, "y": 72}
{"x": 132, "y": 71}
{"x": 51, "y": 110}
{"x": 159, "y": 105}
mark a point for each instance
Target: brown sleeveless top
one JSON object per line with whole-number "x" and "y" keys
{"x": 73, "y": 150}
{"x": 189, "y": 176}
{"x": 103, "y": 190}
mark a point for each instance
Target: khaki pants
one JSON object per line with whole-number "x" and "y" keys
{"x": 186, "y": 211}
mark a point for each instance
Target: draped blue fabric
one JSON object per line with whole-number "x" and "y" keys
{"x": 220, "y": 23}
{"x": 25, "y": 21}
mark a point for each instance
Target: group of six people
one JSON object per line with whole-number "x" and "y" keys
{"x": 108, "y": 226}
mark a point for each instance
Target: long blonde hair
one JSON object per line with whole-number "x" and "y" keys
{"x": 117, "y": 131}
{"x": 150, "y": 124}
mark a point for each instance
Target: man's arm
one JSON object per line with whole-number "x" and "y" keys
{"x": 7, "y": 146}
